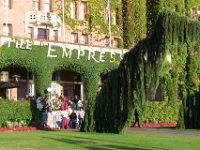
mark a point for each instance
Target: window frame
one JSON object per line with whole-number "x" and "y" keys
{"x": 8, "y": 30}
{"x": 83, "y": 10}
{"x": 46, "y": 35}
{"x": 75, "y": 37}
{"x": 86, "y": 39}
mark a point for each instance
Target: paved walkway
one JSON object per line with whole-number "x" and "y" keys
{"x": 165, "y": 131}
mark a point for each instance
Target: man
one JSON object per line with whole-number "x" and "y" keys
{"x": 81, "y": 115}
{"x": 76, "y": 102}
{"x": 136, "y": 114}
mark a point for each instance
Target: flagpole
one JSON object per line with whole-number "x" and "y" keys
{"x": 63, "y": 18}
{"x": 109, "y": 25}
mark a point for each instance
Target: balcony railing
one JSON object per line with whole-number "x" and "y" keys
{"x": 42, "y": 18}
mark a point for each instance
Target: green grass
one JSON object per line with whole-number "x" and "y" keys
{"x": 62, "y": 140}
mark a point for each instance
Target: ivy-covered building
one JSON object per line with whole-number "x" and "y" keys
{"x": 65, "y": 46}
{"x": 42, "y": 21}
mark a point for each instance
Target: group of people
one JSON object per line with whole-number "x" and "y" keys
{"x": 74, "y": 104}
{"x": 76, "y": 117}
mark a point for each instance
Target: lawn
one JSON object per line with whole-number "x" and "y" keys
{"x": 71, "y": 140}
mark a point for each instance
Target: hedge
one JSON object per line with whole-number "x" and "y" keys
{"x": 14, "y": 111}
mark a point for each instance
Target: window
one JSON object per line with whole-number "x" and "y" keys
{"x": 43, "y": 34}
{"x": 195, "y": 13}
{"x": 46, "y": 5}
{"x": 74, "y": 37}
{"x": 83, "y": 10}
{"x": 114, "y": 20}
{"x": 30, "y": 32}
{"x": 158, "y": 95}
{"x": 116, "y": 43}
{"x": 4, "y": 76}
{"x": 35, "y": 5}
{"x": 73, "y": 10}
{"x": 176, "y": 8}
{"x": 7, "y": 29}
{"x": 7, "y": 4}
{"x": 55, "y": 35}
{"x": 84, "y": 39}
{"x": 107, "y": 41}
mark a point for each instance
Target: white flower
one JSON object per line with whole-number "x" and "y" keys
{"x": 56, "y": 103}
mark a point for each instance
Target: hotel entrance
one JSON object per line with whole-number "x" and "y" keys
{"x": 16, "y": 83}
{"x": 68, "y": 83}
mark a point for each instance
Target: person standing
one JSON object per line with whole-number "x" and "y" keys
{"x": 64, "y": 104}
{"x": 81, "y": 115}
{"x": 136, "y": 114}
{"x": 76, "y": 102}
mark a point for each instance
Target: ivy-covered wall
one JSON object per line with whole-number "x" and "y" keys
{"x": 37, "y": 62}
{"x": 154, "y": 7}
{"x": 135, "y": 20}
{"x": 169, "y": 57}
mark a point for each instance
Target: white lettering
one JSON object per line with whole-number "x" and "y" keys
{"x": 91, "y": 55}
{"x": 112, "y": 58}
{"x": 101, "y": 56}
{"x": 70, "y": 52}
{"x": 19, "y": 44}
{"x": 29, "y": 44}
{"x": 122, "y": 54}
{"x": 80, "y": 53}
{"x": 65, "y": 54}
{"x": 67, "y": 50}
{"x": 51, "y": 50}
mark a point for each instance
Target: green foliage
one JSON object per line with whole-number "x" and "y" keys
{"x": 95, "y": 18}
{"x": 130, "y": 17}
{"x": 160, "y": 111}
{"x": 12, "y": 111}
{"x": 154, "y": 7}
{"x": 37, "y": 62}
{"x": 134, "y": 21}
{"x": 145, "y": 66}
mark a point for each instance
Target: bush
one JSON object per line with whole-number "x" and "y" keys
{"x": 14, "y": 112}
{"x": 160, "y": 111}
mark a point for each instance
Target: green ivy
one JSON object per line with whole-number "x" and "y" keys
{"x": 134, "y": 21}
{"x": 154, "y": 7}
{"x": 37, "y": 62}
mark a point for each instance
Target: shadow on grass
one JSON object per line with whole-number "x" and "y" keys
{"x": 99, "y": 144}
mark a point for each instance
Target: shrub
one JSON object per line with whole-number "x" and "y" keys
{"x": 12, "y": 112}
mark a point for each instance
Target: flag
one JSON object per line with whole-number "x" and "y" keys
{"x": 107, "y": 10}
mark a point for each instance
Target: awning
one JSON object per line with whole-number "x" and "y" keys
{"x": 8, "y": 85}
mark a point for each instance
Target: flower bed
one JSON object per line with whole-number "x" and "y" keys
{"x": 158, "y": 124}
{"x": 27, "y": 129}
{"x": 19, "y": 129}
{"x": 148, "y": 124}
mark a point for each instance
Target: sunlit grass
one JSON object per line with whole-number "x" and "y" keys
{"x": 69, "y": 140}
